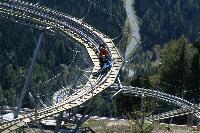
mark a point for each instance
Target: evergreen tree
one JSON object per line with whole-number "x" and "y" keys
{"x": 1, "y": 96}
{"x": 195, "y": 79}
{"x": 136, "y": 82}
{"x": 175, "y": 70}
{"x": 162, "y": 21}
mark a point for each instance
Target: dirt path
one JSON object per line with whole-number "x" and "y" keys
{"x": 134, "y": 28}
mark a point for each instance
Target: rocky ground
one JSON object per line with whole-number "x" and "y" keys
{"x": 124, "y": 126}
{"x": 101, "y": 126}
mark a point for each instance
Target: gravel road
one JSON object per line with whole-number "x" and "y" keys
{"x": 134, "y": 27}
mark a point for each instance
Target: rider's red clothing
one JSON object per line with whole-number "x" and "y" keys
{"x": 103, "y": 51}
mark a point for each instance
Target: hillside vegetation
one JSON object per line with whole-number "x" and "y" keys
{"x": 163, "y": 20}
{"x": 177, "y": 72}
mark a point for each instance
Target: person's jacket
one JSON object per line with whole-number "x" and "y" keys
{"x": 103, "y": 52}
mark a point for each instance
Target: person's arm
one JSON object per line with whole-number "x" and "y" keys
{"x": 107, "y": 52}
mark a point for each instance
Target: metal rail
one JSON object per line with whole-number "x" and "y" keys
{"x": 42, "y": 17}
{"x": 186, "y": 106}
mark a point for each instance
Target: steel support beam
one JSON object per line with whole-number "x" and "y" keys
{"x": 58, "y": 123}
{"x": 27, "y": 78}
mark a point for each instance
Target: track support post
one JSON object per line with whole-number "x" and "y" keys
{"x": 27, "y": 78}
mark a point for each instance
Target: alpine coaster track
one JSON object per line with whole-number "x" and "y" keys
{"x": 52, "y": 21}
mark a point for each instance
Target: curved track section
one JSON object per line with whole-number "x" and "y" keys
{"x": 53, "y": 21}
{"x": 186, "y": 106}
{"x": 170, "y": 114}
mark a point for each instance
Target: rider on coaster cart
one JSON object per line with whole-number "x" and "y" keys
{"x": 104, "y": 58}
{"x": 105, "y": 62}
